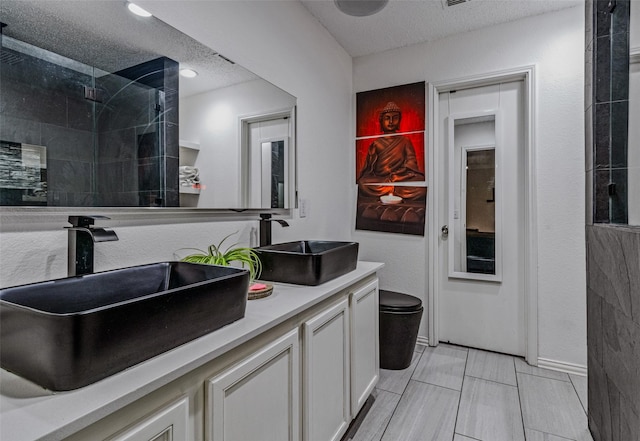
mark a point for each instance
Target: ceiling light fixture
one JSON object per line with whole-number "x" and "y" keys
{"x": 138, "y": 10}
{"x": 361, "y": 8}
{"x": 188, "y": 73}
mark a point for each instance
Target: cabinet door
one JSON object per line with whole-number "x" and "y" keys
{"x": 364, "y": 344}
{"x": 169, "y": 424}
{"x": 257, "y": 399}
{"x": 326, "y": 374}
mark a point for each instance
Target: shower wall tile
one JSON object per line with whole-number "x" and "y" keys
{"x": 619, "y": 66}
{"x": 79, "y": 113}
{"x": 608, "y": 274}
{"x": 613, "y": 331}
{"x": 602, "y": 18}
{"x": 601, "y": 133}
{"x": 602, "y": 69}
{"x": 594, "y": 326}
{"x": 601, "y": 196}
{"x": 69, "y": 144}
{"x": 599, "y": 415}
{"x": 629, "y": 420}
{"x": 618, "y": 208}
{"x": 69, "y": 176}
{"x": 621, "y": 353}
{"x": 21, "y": 130}
{"x": 620, "y": 17}
{"x": 116, "y": 144}
{"x": 619, "y": 134}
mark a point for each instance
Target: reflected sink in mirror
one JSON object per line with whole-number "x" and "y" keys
{"x": 67, "y": 333}
{"x": 307, "y": 262}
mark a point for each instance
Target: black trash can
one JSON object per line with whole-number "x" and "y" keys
{"x": 400, "y": 316}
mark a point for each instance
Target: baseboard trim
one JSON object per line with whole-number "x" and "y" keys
{"x": 561, "y": 366}
{"x": 422, "y": 341}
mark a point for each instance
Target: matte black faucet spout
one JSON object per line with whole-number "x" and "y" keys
{"x": 265, "y": 228}
{"x": 82, "y": 236}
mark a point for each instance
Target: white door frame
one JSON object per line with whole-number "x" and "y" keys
{"x": 530, "y": 227}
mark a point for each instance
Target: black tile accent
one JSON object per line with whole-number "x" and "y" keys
{"x": 602, "y": 140}
{"x": 602, "y": 69}
{"x": 619, "y": 133}
{"x": 601, "y": 196}
{"x": 602, "y": 18}
{"x": 618, "y": 201}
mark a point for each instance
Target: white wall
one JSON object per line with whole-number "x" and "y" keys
{"x": 213, "y": 120}
{"x": 555, "y": 44}
{"x": 280, "y": 42}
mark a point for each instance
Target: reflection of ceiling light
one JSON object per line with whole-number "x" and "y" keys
{"x": 138, "y": 10}
{"x": 188, "y": 73}
{"x": 361, "y": 8}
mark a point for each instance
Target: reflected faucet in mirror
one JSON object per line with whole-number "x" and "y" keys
{"x": 82, "y": 236}
{"x": 265, "y": 227}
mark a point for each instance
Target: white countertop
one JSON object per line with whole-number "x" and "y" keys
{"x": 29, "y": 412}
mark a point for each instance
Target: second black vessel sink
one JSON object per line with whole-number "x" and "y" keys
{"x": 67, "y": 333}
{"x": 307, "y": 262}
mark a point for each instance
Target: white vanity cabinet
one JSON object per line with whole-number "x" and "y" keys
{"x": 258, "y": 398}
{"x": 365, "y": 372}
{"x": 298, "y": 367}
{"x": 168, "y": 424}
{"x": 326, "y": 384}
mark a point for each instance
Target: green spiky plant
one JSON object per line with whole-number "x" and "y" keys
{"x": 214, "y": 255}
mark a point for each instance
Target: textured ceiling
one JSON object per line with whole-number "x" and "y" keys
{"x": 105, "y": 35}
{"x": 406, "y": 22}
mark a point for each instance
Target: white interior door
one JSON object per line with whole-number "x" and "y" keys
{"x": 481, "y": 212}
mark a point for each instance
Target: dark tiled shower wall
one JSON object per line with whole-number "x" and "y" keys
{"x": 42, "y": 103}
{"x": 606, "y": 107}
{"x": 613, "y": 251}
{"x": 613, "y": 331}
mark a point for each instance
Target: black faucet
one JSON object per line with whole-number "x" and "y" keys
{"x": 265, "y": 228}
{"x": 82, "y": 236}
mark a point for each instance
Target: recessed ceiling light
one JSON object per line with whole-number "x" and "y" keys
{"x": 188, "y": 73}
{"x": 361, "y": 8}
{"x": 138, "y": 10}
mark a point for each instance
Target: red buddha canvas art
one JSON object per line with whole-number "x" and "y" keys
{"x": 390, "y": 153}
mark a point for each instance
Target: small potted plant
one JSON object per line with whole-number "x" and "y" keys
{"x": 244, "y": 256}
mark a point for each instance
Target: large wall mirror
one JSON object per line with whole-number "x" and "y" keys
{"x": 94, "y": 112}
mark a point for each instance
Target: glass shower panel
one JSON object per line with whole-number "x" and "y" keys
{"x": 72, "y": 135}
{"x": 42, "y": 103}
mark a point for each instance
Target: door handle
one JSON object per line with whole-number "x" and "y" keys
{"x": 445, "y": 230}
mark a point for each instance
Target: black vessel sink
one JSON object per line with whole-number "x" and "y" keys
{"x": 307, "y": 262}
{"x": 67, "y": 333}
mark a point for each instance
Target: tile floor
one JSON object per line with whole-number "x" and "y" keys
{"x": 453, "y": 393}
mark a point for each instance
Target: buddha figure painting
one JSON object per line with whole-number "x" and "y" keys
{"x": 390, "y": 165}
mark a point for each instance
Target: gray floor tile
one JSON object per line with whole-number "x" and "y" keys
{"x": 425, "y": 412}
{"x": 458, "y": 437}
{"x": 534, "y": 435}
{"x": 375, "y": 423}
{"x": 442, "y": 365}
{"x": 491, "y": 366}
{"x": 523, "y": 367}
{"x": 420, "y": 348}
{"x": 552, "y": 406}
{"x": 489, "y": 411}
{"x": 580, "y": 384}
{"x": 396, "y": 381}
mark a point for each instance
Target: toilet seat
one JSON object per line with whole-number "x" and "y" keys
{"x": 391, "y": 301}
